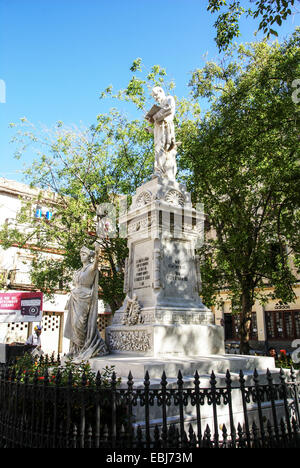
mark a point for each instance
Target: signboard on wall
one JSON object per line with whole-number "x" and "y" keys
{"x": 21, "y": 307}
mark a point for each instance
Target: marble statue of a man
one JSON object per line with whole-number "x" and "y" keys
{"x": 162, "y": 117}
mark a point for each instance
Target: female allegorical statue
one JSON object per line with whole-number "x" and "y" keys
{"x": 81, "y": 325}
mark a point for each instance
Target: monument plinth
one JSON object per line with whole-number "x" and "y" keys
{"x": 163, "y": 314}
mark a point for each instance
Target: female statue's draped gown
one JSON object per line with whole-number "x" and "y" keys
{"x": 81, "y": 324}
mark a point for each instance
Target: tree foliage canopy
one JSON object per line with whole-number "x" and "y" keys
{"x": 271, "y": 14}
{"x": 243, "y": 158}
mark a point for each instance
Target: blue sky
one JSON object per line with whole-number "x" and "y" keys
{"x": 56, "y": 56}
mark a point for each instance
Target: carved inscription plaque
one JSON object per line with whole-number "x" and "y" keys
{"x": 142, "y": 266}
{"x": 142, "y": 277}
{"x": 176, "y": 271}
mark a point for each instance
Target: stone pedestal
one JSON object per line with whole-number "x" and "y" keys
{"x": 204, "y": 365}
{"x": 162, "y": 314}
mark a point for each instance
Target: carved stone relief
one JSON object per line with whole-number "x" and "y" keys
{"x": 132, "y": 313}
{"x": 143, "y": 199}
{"x": 138, "y": 225}
{"x": 127, "y": 340}
{"x": 175, "y": 198}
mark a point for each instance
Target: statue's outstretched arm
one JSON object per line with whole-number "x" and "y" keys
{"x": 96, "y": 258}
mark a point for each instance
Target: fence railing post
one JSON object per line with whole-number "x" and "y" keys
{"x": 274, "y": 412}
{"x": 57, "y": 393}
{"x": 33, "y": 421}
{"x": 147, "y": 409}
{"x": 229, "y": 397}
{"x": 213, "y": 384}
{"x": 258, "y": 401}
{"x": 197, "y": 404}
{"x": 23, "y": 412}
{"x": 180, "y": 401}
{"x": 16, "y": 416}
{"x": 164, "y": 434}
{"x": 98, "y": 410}
{"x": 295, "y": 396}
{"x": 82, "y": 411}
{"x": 245, "y": 411}
{"x": 113, "y": 410}
{"x": 129, "y": 408}
{"x": 285, "y": 401}
{"x": 68, "y": 396}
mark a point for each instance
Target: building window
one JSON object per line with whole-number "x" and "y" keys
{"x": 283, "y": 324}
{"x": 228, "y": 327}
{"x": 232, "y": 326}
{"x": 297, "y": 322}
{"x": 42, "y": 212}
{"x": 38, "y": 212}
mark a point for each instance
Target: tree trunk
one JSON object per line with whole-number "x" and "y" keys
{"x": 245, "y": 325}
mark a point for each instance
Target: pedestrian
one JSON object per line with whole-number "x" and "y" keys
{"x": 272, "y": 352}
{"x": 34, "y": 341}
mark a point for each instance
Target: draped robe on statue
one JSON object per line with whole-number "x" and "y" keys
{"x": 81, "y": 325}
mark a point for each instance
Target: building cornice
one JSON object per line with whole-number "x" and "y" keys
{"x": 18, "y": 189}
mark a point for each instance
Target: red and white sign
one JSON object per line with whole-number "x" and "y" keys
{"x": 21, "y": 307}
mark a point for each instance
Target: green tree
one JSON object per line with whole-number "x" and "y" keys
{"x": 271, "y": 13}
{"x": 243, "y": 158}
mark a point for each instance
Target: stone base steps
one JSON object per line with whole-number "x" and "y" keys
{"x": 204, "y": 365}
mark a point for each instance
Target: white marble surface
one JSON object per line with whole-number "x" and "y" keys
{"x": 162, "y": 273}
{"x": 219, "y": 363}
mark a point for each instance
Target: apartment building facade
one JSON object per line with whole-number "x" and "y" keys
{"x": 15, "y": 267}
{"x": 274, "y": 324}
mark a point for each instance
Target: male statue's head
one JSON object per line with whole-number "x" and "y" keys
{"x": 158, "y": 94}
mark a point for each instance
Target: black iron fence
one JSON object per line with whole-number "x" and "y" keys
{"x": 44, "y": 413}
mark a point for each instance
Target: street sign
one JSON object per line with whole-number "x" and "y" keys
{"x": 21, "y": 307}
